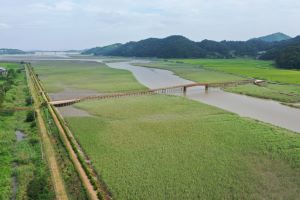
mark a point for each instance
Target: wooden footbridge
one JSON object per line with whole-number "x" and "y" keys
{"x": 178, "y": 89}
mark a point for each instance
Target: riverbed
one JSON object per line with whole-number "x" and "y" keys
{"x": 267, "y": 111}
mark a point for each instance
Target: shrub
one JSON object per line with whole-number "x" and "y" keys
{"x": 30, "y": 116}
{"x": 38, "y": 187}
{"x": 28, "y": 101}
{"x": 33, "y": 141}
{"x": 33, "y": 124}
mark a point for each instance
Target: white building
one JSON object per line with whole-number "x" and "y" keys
{"x": 3, "y": 71}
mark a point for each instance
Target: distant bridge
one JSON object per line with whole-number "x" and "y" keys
{"x": 166, "y": 90}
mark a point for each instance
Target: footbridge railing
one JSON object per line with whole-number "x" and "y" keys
{"x": 178, "y": 89}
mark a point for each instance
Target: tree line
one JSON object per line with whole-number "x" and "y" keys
{"x": 285, "y": 53}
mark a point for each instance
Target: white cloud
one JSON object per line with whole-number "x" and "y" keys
{"x": 65, "y": 6}
{"x": 4, "y": 26}
{"x": 60, "y": 6}
{"x": 64, "y": 24}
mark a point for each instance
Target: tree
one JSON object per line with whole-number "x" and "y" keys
{"x": 289, "y": 58}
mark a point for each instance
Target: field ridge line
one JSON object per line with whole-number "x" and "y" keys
{"x": 58, "y": 183}
{"x": 105, "y": 193}
{"x": 92, "y": 193}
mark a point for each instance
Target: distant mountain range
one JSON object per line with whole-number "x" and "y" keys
{"x": 102, "y": 50}
{"x": 180, "y": 47}
{"x": 266, "y": 47}
{"x": 11, "y": 51}
{"x": 286, "y": 53}
{"x": 275, "y": 37}
{"x": 278, "y": 46}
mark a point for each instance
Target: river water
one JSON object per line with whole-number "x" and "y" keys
{"x": 263, "y": 110}
{"x": 20, "y": 136}
{"x": 260, "y": 109}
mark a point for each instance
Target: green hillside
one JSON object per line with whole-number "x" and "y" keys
{"x": 275, "y": 37}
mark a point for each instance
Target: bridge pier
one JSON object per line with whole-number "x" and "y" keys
{"x": 206, "y": 88}
{"x": 184, "y": 90}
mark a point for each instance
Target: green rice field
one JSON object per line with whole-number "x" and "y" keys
{"x": 59, "y": 75}
{"x": 167, "y": 147}
{"x": 249, "y": 68}
{"x": 282, "y": 93}
{"x": 193, "y": 72}
{"x": 205, "y": 70}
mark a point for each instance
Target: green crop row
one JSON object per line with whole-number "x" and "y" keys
{"x": 60, "y": 75}
{"x": 165, "y": 147}
{"x": 94, "y": 180}
{"x": 247, "y": 67}
{"x": 74, "y": 187}
{"x": 218, "y": 70}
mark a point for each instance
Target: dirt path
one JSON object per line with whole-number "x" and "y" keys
{"x": 49, "y": 152}
{"x": 83, "y": 176}
{"x": 59, "y": 186}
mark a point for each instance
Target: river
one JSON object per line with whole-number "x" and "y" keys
{"x": 267, "y": 111}
{"x": 260, "y": 109}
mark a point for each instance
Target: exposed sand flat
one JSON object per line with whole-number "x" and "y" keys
{"x": 71, "y": 111}
{"x": 260, "y": 109}
{"x": 69, "y": 93}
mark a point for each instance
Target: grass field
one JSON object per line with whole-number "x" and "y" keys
{"x": 238, "y": 69}
{"x": 7, "y": 66}
{"x": 21, "y": 159}
{"x": 250, "y": 68}
{"x": 282, "y": 93}
{"x": 167, "y": 147}
{"x": 59, "y": 75}
{"x": 192, "y": 72}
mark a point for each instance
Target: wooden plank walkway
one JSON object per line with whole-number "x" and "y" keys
{"x": 165, "y": 90}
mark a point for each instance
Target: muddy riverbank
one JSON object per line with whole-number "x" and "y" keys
{"x": 260, "y": 109}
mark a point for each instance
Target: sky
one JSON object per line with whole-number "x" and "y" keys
{"x": 81, "y": 24}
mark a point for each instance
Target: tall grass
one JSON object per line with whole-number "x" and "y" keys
{"x": 30, "y": 169}
{"x": 283, "y": 93}
{"x": 58, "y": 75}
{"x": 218, "y": 70}
{"x": 193, "y": 72}
{"x": 165, "y": 147}
{"x": 250, "y": 68}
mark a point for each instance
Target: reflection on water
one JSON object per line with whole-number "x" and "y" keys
{"x": 20, "y": 135}
{"x": 150, "y": 77}
{"x": 264, "y": 110}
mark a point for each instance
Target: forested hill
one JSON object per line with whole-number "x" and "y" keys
{"x": 285, "y": 52}
{"x": 181, "y": 47}
{"x": 102, "y": 50}
{"x": 11, "y": 51}
{"x": 275, "y": 37}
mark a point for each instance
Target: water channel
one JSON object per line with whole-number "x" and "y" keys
{"x": 20, "y": 136}
{"x": 260, "y": 109}
{"x": 267, "y": 111}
